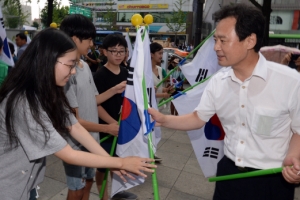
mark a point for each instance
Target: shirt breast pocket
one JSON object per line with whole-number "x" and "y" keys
{"x": 264, "y": 121}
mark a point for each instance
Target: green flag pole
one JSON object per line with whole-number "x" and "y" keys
{"x": 187, "y": 89}
{"x": 105, "y": 138}
{"x": 151, "y": 153}
{"x": 191, "y": 53}
{"x": 262, "y": 172}
{"x": 113, "y": 147}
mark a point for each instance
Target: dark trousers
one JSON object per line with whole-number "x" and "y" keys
{"x": 269, "y": 187}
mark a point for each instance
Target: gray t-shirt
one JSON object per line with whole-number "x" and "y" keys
{"x": 81, "y": 91}
{"x": 22, "y": 168}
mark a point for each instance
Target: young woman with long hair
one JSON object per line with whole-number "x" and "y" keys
{"x": 35, "y": 117}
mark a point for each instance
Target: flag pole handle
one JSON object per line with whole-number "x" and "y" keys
{"x": 246, "y": 175}
{"x": 192, "y": 52}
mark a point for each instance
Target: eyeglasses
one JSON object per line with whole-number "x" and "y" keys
{"x": 71, "y": 66}
{"x": 115, "y": 53}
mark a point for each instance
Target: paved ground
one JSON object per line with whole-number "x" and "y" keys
{"x": 179, "y": 175}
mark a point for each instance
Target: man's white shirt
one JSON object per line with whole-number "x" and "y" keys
{"x": 258, "y": 115}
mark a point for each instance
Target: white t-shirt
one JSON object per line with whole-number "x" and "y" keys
{"x": 258, "y": 115}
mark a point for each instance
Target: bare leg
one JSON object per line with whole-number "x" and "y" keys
{"x": 75, "y": 194}
{"x": 99, "y": 180}
{"x": 87, "y": 189}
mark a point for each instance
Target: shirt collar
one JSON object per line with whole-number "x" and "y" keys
{"x": 260, "y": 69}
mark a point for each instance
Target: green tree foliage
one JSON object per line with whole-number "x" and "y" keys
{"x": 177, "y": 22}
{"x": 14, "y": 17}
{"x": 59, "y": 12}
{"x": 110, "y": 16}
{"x": 35, "y": 24}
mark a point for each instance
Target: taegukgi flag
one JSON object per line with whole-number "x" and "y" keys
{"x": 6, "y": 55}
{"x": 208, "y": 141}
{"x": 204, "y": 64}
{"x": 134, "y": 126}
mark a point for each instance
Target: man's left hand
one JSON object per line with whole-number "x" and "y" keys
{"x": 291, "y": 170}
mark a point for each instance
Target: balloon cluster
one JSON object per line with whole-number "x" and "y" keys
{"x": 137, "y": 20}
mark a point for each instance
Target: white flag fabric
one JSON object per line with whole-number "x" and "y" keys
{"x": 133, "y": 133}
{"x": 6, "y": 55}
{"x": 28, "y": 39}
{"x": 156, "y": 135}
{"x": 203, "y": 65}
{"x": 208, "y": 141}
{"x": 130, "y": 49}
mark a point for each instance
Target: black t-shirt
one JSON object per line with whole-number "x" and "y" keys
{"x": 104, "y": 79}
{"x": 94, "y": 56}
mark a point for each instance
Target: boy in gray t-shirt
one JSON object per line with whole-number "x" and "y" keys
{"x": 84, "y": 98}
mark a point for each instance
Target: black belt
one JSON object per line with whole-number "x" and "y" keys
{"x": 246, "y": 169}
{"x": 243, "y": 169}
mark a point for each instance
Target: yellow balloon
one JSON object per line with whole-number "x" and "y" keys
{"x": 136, "y": 20}
{"x": 127, "y": 29}
{"x": 53, "y": 25}
{"x": 26, "y": 32}
{"x": 148, "y": 19}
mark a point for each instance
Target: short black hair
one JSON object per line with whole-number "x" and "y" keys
{"x": 155, "y": 47}
{"x": 11, "y": 47}
{"x": 79, "y": 26}
{"x": 22, "y": 36}
{"x": 249, "y": 20}
{"x": 112, "y": 40}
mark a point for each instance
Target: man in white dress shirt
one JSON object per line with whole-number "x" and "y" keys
{"x": 258, "y": 104}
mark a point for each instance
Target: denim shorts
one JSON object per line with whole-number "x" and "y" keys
{"x": 76, "y": 176}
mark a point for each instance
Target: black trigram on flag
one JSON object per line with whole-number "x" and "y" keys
{"x": 2, "y": 22}
{"x": 211, "y": 152}
{"x": 201, "y": 75}
{"x": 130, "y": 76}
{"x": 149, "y": 91}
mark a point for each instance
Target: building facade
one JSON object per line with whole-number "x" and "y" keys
{"x": 285, "y": 15}
{"x": 159, "y": 9}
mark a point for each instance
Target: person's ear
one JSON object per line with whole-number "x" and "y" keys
{"x": 75, "y": 39}
{"x": 105, "y": 52}
{"x": 251, "y": 41}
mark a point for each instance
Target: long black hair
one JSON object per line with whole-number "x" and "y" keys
{"x": 33, "y": 80}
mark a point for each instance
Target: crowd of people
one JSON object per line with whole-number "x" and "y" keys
{"x": 61, "y": 97}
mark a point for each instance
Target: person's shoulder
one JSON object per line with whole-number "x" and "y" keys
{"x": 101, "y": 72}
{"x": 283, "y": 70}
{"x": 123, "y": 69}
